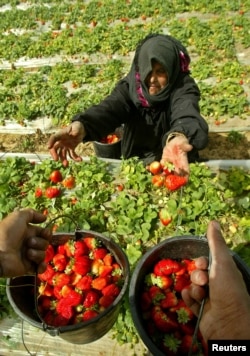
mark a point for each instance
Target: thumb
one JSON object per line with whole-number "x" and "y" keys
{"x": 217, "y": 244}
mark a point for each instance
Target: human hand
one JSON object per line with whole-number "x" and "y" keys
{"x": 64, "y": 142}
{"x": 23, "y": 245}
{"x": 175, "y": 152}
{"x": 226, "y": 313}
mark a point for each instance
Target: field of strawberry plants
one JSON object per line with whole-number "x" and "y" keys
{"x": 124, "y": 203}
{"x": 59, "y": 57}
{"x": 54, "y": 55}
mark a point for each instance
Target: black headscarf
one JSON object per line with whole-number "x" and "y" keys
{"x": 167, "y": 51}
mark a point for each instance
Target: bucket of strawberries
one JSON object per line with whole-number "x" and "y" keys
{"x": 163, "y": 321}
{"x": 78, "y": 296}
{"x": 110, "y": 145}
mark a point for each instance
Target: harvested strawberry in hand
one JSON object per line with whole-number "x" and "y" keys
{"x": 170, "y": 323}
{"x": 174, "y": 181}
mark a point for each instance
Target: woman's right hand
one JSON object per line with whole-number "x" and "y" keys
{"x": 64, "y": 142}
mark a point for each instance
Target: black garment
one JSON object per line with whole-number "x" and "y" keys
{"x": 147, "y": 119}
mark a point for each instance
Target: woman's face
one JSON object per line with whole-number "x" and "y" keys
{"x": 157, "y": 78}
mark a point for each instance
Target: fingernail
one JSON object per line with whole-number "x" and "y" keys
{"x": 216, "y": 225}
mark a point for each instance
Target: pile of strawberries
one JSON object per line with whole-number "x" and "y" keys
{"x": 111, "y": 138}
{"x": 82, "y": 279}
{"x": 168, "y": 321}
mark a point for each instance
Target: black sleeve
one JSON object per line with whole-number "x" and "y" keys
{"x": 102, "y": 119}
{"x": 185, "y": 114}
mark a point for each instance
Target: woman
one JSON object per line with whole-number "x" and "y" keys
{"x": 157, "y": 102}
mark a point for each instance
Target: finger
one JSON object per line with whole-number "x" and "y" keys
{"x": 201, "y": 262}
{"x": 74, "y": 156}
{"x": 37, "y": 243}
{"x": 52, "y": 140}
{"x": 217, "y": 244}
{"x": 199, "y": 277}
{"x": 36, "y": 256}
{"x": 32, "y": 216}
{"x": 192, "y": 303}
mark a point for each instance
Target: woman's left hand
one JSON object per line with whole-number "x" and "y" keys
{"x": 175, "y": 152}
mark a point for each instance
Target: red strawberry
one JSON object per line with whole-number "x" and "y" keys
{"x": 106, "y": 300}
{"x": 61, "y": 249}
{"x": 111, "y": 289}
{"x": 89, "y": 314}
{"x": 186, "y": 344}
{"x": 99, "y": 283}
{"x": 64, "y": 309}
{"x": 73, "y": 298}
{"x": 164, "y": 322}
{"x": 99, "y": 253}
{"x": 47, "y": 274}
{"x": 45, "y": 289}
{"x": 189, "y": 265}
{"x": 84, "y": 283}
{"x": 38, "y": 192}
{"x": 188, "y": 328}
{"x": 49, "y": 253}
{"x": 60, "y": 279}
{"x": 163, "y": 282}
{"x": 184, "y": 314}
{"x": 80, "y": 248}
{"x": 69, "y": 248}
{"x": 174, "y": 181}
{"x": 105, "y": 270}
{"x": 165, "y": 217}
{"x": 181, "y": 281}
{"x": 156, "y": 294}
{"x": 95, "y": 266}
{"x": 82, "y": 265}
{"x": 116, "y": 273}
{"x": 91, "y": 299}
{"x": 166, "y": 267}
{"x": 145, "y": 300}
{"x": 60, "y": 262}
{"x": 91, "y": 242}
{"x": 108, "y": 259}
{"x": 169, "y": 301}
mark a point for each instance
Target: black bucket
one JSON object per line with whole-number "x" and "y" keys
{"x": 182, "y": 247}
{"x": 109, "y": 150}
{"x": 21, "y": 295}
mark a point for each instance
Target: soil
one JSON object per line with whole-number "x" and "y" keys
{"x": 221, "y": 146}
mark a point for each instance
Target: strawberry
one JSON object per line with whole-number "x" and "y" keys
{"x": 60, "y": 262}
{"x": 99, "y": 253}
{"x": 145, "y": 300}
{"x": 186, "y": 344}
{"x": 89, "y": 314}
{"x": 38, "y": 192}
{"x": 181, "y": 282}
{"x": 156, "y": 294}
{"x": 171, "y": 344}
{"x": 64, "y": 309}
{"x": 164, "y": 322}
{"x": 174, "y": 181}
{"x": 45, "y": 289}
{"x": 73, "y": 298}
{"x": 47, "y": 274}
{"x": 188, "y": 328}
{"x": 184, "y": 314}
{"x": 84, "y": 283}
{"x": 111, "y": 289}
{"x": 82, "y": 265}
{"x": 61, "y": 249}
{"x": 69, "y": 248}
{"x": 163, "y": 282}
{"x": 105, "y": 270}
{"x": 91, "y": 242}
{"x": 60, "y": 279}
{"x": 189, "y": 265}
{"x": 95, "y": 266}
{"x": 108, "y": 259}
{"x": 158, "y": 180}
{"x": 166, "y": 267}
{"x": 169, "y": 301}
{"x": 80, "y": 248}
{"x": 106, "y": 300}
{"x": 49, "y": 253}
{"x": 91, "y": 299}
{"x": 165, "y": 217}
{"x": 99, "y": 283}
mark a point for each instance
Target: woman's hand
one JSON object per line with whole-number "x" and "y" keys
{"x": 22, "y": 244}
{"x": 65, "y": 141}
{"x": 226, "y": 312}
{"x": 175, "y": 152}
